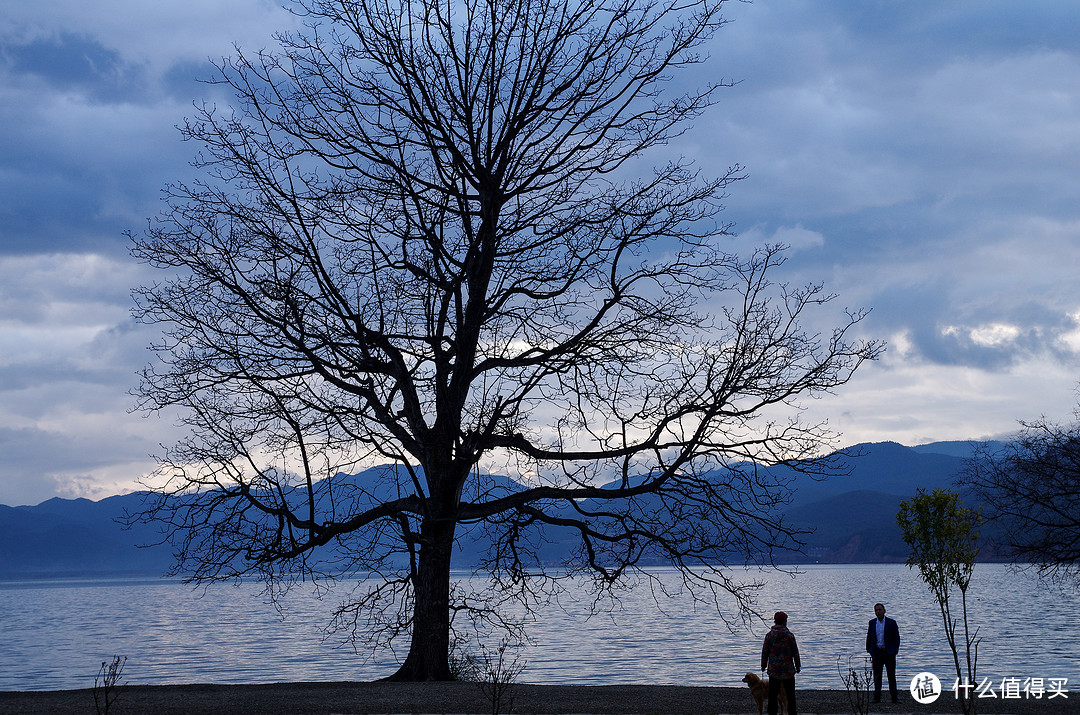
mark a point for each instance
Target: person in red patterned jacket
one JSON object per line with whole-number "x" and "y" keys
{"x": 780, "y": 659}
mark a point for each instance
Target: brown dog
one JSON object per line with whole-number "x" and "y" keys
{"x": 760, "y": 690}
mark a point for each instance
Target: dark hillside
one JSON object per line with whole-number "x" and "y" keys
{"x": 853, "y": 518}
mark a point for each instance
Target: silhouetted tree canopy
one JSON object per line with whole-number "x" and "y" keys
{"x": 1030, "y": 488}
{"x": 423, "y": 238}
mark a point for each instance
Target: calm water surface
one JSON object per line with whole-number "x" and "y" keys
{"x": 56, "y": 633}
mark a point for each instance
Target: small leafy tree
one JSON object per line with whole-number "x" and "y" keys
{"x": 941, "y": 534}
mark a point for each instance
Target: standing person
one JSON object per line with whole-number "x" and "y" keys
{"x": 780, "y": 659}
{"x": 883, "y": 643}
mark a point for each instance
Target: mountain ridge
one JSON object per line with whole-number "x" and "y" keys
{"x": 852, "y": 518}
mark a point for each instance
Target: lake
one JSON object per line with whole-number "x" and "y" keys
{"x": 56, "y": 633}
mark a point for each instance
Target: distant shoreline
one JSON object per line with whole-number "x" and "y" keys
{"x": 461, "y": 698}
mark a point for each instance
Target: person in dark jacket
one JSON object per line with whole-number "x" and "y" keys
{"x": 780, "y": 659}
{"x": 883, "y": 643}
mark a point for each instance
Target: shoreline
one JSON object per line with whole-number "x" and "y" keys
{"x": 463, "y": 698}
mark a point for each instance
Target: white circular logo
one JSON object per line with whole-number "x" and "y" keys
{"x": 925, "y": 688}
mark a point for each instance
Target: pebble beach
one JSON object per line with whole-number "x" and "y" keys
{"x": 462, "y": 698}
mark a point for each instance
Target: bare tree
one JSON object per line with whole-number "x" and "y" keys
{"x": 423, "y": 239}
{"x": 1030, "y": 489}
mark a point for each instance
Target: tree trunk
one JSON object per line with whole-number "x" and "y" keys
{"x": 429, "y": 652}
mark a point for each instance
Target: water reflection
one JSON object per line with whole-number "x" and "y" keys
{"x": 56, "y": 634}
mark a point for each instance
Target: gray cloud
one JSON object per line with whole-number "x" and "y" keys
{"x": 911, "y": 141}
{"x": 89, "y": 102}
{"x": 921, "y": 159}
{"x": 73, "y": 63}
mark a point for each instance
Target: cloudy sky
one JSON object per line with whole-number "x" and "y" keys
{"x": 922, "y": 159}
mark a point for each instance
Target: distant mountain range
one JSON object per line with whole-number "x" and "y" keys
{"x": 852, "y": 518}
